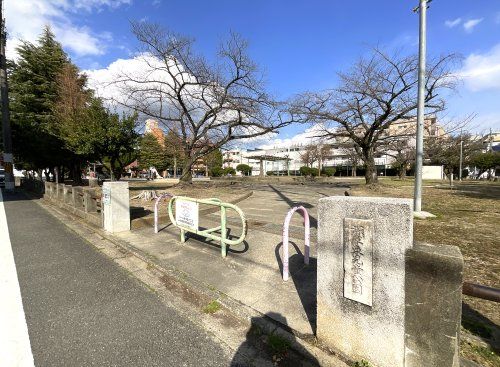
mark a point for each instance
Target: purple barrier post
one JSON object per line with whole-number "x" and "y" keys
{"x": 162, "y": 196}
{"x": 285, "y": 238}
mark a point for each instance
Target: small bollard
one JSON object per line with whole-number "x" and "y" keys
{"x": 162, "y": 196}
{"x": 285, "y": 238}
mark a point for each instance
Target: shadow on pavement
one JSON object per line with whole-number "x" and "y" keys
{"x": 304, "y": 278}
{"x": 270, "y": 349}
{"x": 291, "y": 203}
{"x": 19, "y": 194}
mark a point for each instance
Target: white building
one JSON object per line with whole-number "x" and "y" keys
{"x": 291, "y": 160}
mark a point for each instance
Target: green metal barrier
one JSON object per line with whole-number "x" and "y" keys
{"x": 186, "y": 218}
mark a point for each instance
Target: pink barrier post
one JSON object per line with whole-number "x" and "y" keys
{"x": 162, "y": 196}
{"x": 285, "y": 238}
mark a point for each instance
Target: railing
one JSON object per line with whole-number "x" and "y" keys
{"x": 286, "y": 225}
{"x": 481, "y": 291}
{"x": 189, "y": 221}
{"x": 161, "y": 197}
{"x": 81, "y": 198}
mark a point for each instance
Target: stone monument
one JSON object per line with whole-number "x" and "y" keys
{"x": 380, "y": 297}
{"x": 115, "y": 205}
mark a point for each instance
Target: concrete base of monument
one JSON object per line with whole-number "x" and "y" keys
{"x": 423, "y": 215}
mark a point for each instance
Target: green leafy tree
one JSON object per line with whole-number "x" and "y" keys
{"x": 33, "y": 94}
{"x": 120, "y": 140}
{"x": 151, "y": 153}
{"x": 213, "y": 159}
{"x": 485, "y": 161}
{"x": 245, "y": 169}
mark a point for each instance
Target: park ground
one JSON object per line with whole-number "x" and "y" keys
{"x": 467, "y": 216}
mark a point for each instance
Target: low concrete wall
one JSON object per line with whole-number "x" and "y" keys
{"x": 434, "y": 276}
{"x": 432, "y": 173}
{"x": 80, "y": 201}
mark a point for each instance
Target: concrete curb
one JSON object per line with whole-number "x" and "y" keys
{"x": 304, "y": 345}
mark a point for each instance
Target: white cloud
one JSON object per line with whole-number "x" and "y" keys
{"x": 308, "y": 136}
{"x": 453, "y": 23}
{"x": 471, "y": 24}
{"x": 482, "y": 71}
{"x": 89, "y": 5}
{"x": 25, "y": 20}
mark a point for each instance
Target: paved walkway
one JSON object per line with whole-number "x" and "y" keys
{"x": 15, "y": 348}
{"x": 251, "y": 273}
{"x": 84, "y": 310}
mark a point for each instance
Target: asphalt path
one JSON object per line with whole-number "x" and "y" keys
{"x": 84, "y": 310}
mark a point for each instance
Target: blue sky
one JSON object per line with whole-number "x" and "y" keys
{"x": 300, "y": 44}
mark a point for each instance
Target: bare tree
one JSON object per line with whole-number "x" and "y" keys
{"x": 206, "y": 105}
{"x": 374, "y": 94}
{"x": 403, "y": 153}
{"x": 352, "y": 157}
{"x": 315, "y": 153}
{"x": 309, "y": 155}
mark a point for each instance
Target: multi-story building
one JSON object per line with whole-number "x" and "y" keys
{"x": 284, "y": 159}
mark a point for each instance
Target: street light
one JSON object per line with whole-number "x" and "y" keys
{"x": 417, "y": 197}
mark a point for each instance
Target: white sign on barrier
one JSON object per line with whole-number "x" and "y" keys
{"x": 106, "y": 195}
{"x": 186, "y": 214}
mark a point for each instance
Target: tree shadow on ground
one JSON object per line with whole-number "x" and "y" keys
{"x": 304, "y": 278}
{"x": 268, "y": 344}
{"x": 235, "y": 249}
{"x": 291, "y": 203}
{"x": 481, "y": 326}
{"x": 20, "y": 194}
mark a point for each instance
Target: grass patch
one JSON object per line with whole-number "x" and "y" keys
{"x": 484, "y": 356}
{"x": 212, "y": 307}
{"x": 362, "y": 363}
{"x": 467, "y": 217}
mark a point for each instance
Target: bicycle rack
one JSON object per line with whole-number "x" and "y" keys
{"x": 209, "y": 233}
{"x": 162, "y": 196}
{"x": 285, "y": 238}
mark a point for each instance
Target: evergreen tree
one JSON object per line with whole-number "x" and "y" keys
{"x": 152, "y": 154}
{"x": 33, "y": 94}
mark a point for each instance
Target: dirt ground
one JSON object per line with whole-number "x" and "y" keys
{"x": 224, "y": 191}
{"x": 468, "y": 216}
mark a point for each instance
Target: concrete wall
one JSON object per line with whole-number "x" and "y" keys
{"x": 433, "y": 305}
{"x": 432, "y": 172}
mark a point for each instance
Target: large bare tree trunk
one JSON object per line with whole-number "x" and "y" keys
{"x": 187, "y": 175}
{"x": 371, "y": 176}
{"x": 402, "y": 171}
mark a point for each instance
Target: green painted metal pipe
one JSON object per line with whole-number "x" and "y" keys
{"x": 208, "y": 233}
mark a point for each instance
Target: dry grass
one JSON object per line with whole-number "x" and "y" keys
{"x": 468, "y": 216}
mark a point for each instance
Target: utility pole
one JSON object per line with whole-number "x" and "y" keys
{"x": 8, "y": 161}
{"x": 461, "y": 152}
{"x": 417, "y": 197}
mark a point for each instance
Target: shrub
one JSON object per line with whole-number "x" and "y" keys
{"x": 217, "y": 171}
{"x": 328, "y": 171}
{"x": 229, "y": 171}
{"x": 305, "y": 171}
{"x": 245, "y": 169}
